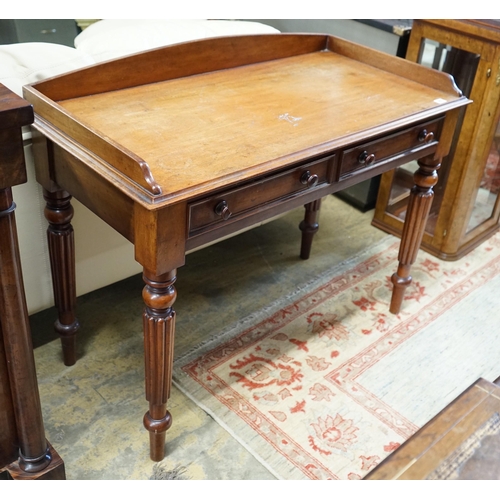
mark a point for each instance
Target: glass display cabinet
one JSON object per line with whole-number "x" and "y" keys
{"x": 466, "y": 208}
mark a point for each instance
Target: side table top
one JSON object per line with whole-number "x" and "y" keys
{"x": 15, "y": 112}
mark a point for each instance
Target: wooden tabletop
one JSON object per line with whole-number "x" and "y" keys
{"x": 189, "y": 129}
{"x": 194, "y": 131}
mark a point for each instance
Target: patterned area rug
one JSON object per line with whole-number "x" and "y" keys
{"x": 326, "y": 383}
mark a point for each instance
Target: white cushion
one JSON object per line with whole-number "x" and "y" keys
{"x": 25, "y": 63}
{"x": 112, "y": 38}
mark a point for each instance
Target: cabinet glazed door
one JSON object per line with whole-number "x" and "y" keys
{"x": 485, "y": 206}
{"x": 465, "y": 210}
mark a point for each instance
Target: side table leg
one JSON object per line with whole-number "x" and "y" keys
{"x": 419, "y": 204}
{"x": 309, "y": 227}
{"x": 59, "y": 213}
{"x": 159, "y": 295}
{"x": 34, "y": 453}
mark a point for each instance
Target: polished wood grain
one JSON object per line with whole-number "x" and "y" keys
{"x": 299, "y": 114}
{"x": 23, "y": 446}
{"x": 235, "y": 125}
{"x": 426, "y": 450}
{"x": 180, "y": 146}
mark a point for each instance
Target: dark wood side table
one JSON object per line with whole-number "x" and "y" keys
{"x": 24, "y": 451}
{"x": 182, "y": 145}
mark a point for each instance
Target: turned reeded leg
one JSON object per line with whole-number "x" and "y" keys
{"x": 309, "y": 227}
{"x": 159, "y": 326}
{"x": 59, "y": 212}
{"x": 416, "y": 218}
{"x": 34, "y": 453}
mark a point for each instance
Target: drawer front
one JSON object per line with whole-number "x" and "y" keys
{"x": 374, "y": 153}
{"x": 223, "y": 207}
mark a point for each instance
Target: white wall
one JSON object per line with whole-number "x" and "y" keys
{"x": 345, "y": 28}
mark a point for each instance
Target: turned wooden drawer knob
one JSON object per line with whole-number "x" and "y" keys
{"x": 366, "y": 159}
{"x": 309, "y": 179}
{"x": 425, "y": 136}
{"x": 222, "y": 209}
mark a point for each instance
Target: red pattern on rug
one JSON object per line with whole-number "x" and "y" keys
{"x": 292, "y": 379}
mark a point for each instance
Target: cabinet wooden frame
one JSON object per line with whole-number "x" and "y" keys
{"x": 451, "y": 237}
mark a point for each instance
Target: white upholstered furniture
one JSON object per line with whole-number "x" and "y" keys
{"x": 102, "y": 255}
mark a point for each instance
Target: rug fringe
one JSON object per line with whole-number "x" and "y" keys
{"x": 159, "y": 473}
{"x": 228, "y": 429}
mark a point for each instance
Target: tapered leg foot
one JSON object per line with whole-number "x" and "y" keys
{"x": 309, "y": 227}
{"x": 400, "y": 279}
{"x": 67, "y": 334}
{"x": 157, "y": 428}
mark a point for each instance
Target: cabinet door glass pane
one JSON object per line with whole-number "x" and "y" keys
{"x": 489, "y": 187}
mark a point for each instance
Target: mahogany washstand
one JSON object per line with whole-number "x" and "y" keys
{"x": 179, "y": 146}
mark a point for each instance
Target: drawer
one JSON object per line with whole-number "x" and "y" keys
{"x": 374, "y": 153}
{"x": 231, "y": 204}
